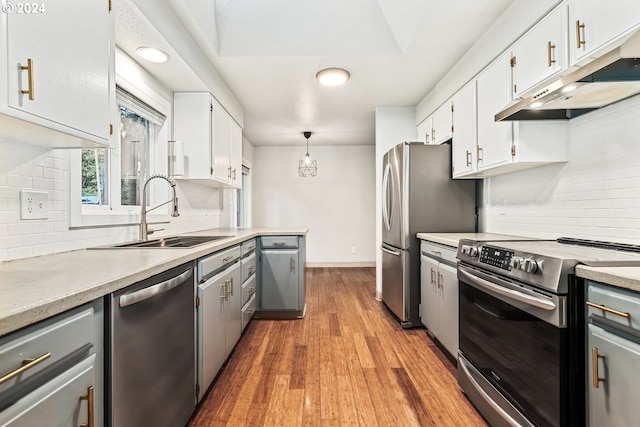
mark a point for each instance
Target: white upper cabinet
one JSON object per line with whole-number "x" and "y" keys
{"x": 437, "y": 128}
{"x": 541, "y": 52}
{"x": 56, "y": 70}
{"x": 464, "y": 146}
{"x": 594, "y": 23}
{"x": 494, "y": 138}
{"x": 212, "y": 140}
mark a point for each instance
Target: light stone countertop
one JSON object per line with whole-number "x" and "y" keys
{"x": 37, "y": 288}
{"x": 452, "y": 239}
{"x": 621, "y": 277}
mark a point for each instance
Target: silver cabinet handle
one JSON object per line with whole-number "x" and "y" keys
{"x": 152, "y": 291}
{"x": 292, "y": 264}
{"x": 227, "y": 259}
{"x": 433, "y": 280}
{"x": 231, "y": 285}
{"x": 224, "y": 293}
{"x": 440, "y": 280}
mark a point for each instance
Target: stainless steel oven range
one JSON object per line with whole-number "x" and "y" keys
{"x": 522, "y": 338}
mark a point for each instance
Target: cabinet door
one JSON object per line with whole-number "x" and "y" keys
{"x": 464, "y": 130}
{"x": 441, "y": 124}
{"x": 233, "y": 312}
{"x": 594, "y": 23}
{"x": 235, "y": 154}
{"x": 279, "y": 280}
{"x": 494, "y": 138}
{"x": 58, "y": 402}
{"x": 69, "y": 46}
{"x": 613, "y": 403}
{"x": 448, "y": 308}
{"x": 193, "y": 125}
{"x": 221, "y": 142}
{"x": 541, "y": 52}
{"x": 211, "y": 329}
{"x": 424, "y": 130}
{"x": 429, "y": 293}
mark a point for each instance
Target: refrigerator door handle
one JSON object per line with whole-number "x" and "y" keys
{"x": 389, "y": 251}
{"x": 385, "y": 201}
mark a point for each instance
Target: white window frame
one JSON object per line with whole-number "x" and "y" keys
{"x": 83, "y": 215}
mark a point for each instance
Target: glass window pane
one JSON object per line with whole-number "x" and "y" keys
{"x": 134, "y": 149}
{"x": 95, "y": 183}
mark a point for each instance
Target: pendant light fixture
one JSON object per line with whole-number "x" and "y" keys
{"x": 307, "y": 166}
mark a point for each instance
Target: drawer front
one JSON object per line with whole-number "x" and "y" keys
{"x": 278, "y": 242}
{"x": 57, "y": 402}
{"x": 248, "y": 247}
{"x": 46, "y": 343}
{"x": 620, "y": 300}
{"x": 248, "y": 310}
{"x": 248, "y": 289}
{"x": 438, "y": 251}
{"x": 214, "y": 262}
{"x": 248, "y": 267}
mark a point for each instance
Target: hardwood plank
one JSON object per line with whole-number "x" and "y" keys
{"x": 347, "y": 363}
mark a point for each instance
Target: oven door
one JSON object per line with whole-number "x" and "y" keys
{"x": 516, "y": 337}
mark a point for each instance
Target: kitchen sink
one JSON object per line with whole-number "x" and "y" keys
{"x": 166, "y": 242}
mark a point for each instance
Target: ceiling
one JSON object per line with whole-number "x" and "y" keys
{"x": 269, "y": 51}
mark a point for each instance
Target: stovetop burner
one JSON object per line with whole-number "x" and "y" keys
{"x": 599, "y": 244}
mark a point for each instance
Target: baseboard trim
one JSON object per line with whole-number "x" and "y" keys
{"x": 340, "y": 264}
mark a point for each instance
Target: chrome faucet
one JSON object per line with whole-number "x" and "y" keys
{"x": 144, "y": 230}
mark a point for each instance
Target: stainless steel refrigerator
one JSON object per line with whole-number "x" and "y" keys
{"x": 418, "y": 195}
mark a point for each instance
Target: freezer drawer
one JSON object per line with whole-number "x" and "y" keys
{"x": 395, "y": 293}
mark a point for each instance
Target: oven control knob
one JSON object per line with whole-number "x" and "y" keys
{"x": 469, "y": 250}
{"x": 516, "y": 262}
{"x": 530, "y": 265}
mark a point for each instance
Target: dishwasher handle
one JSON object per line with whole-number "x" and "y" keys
{"x": 152, "y": 291}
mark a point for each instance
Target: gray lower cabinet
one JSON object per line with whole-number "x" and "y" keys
{"x": 219, "y": 315}
{"x": 439, "y": 294}
{"x": 51, "y": 373}
{"x": 249, "y": 280}
{"x": 613, "y": 356}
{"x": 282, "y": 283}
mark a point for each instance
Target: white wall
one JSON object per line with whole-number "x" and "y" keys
{"x": 393, "y": 126}
{"x": 595, "y": 195}
{"x": 337, "y": 205}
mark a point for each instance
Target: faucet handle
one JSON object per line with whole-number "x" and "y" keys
{"x": 153, "y": 230}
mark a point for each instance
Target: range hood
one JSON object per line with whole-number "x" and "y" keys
{"x": 609, "y": 78}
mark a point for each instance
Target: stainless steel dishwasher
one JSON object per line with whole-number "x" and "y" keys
{"x": 151, "y": 338}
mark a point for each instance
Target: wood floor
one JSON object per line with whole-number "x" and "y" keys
{"x": 347, "y": 363}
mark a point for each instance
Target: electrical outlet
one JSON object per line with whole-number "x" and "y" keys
{"x": 34, "y": 204}
{"x": 353, "y": 249}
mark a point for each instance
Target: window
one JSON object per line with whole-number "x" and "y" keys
{"x": 106, "y": 183}
{"x": 139, "y": 125}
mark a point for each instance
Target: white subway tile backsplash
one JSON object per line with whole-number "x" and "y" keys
{"x": 596, "y": 194}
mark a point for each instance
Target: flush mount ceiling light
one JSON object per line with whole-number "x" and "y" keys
{"x": 152, "y": 54}
{"x": 307, "y": 166}
{"x": 332, "y": 76}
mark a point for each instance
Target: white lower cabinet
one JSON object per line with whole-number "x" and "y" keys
{"x": 439, "y": 294}
{"x": 613, "y": 356}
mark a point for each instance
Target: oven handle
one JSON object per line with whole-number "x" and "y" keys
{"x": 509, "y": 293}
{"x": 501, "y": 412}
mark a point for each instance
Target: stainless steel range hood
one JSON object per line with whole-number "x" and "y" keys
{"x": 609, "y": 78}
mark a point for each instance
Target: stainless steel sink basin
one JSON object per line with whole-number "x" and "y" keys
{"x": 166, "y": 243}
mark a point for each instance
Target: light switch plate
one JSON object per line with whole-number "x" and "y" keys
{"x": 34, "y": 204}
